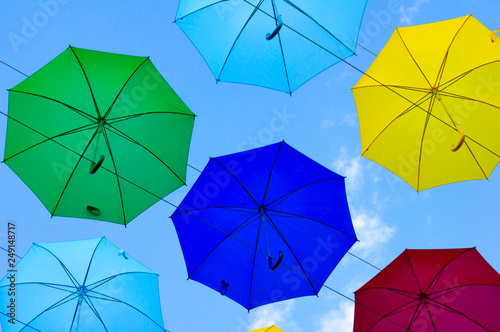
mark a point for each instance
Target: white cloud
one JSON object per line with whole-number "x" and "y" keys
{"x": 276, "y": 314}
{"x": 327, "y": 123}
{"x": 338, "y": 320}
{"x": 351, "y": 169}
{"x": 371, "y": 232}
{"x": 408, "y": 13}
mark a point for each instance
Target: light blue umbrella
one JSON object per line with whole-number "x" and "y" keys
{"x": 278, "y": 44}
{"x": 88, "y": 285}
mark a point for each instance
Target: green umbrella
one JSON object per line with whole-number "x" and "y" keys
{"x": 98, "y": 135}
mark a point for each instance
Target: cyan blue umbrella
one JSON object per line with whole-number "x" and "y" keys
{"x": 88, "y": 285}
{"x": 264, "y": 225}
{"x": 277, "y": 44}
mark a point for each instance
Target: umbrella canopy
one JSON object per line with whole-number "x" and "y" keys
{"x": 429, "y": 104}
{"x": 88, "y": 285}
{"x": 98, "y": 135}
{"x": 268, "y": 329}
{"x": 277, "y": 44}
{"x": 431, "y": 290}
{"x": 264, "y": 225}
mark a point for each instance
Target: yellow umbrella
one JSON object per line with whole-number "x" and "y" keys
{"x": 429, "y": 105}
{"x": 268, "y": 329}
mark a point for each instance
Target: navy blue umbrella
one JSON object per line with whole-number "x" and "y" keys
{"x": 264, "y": 225}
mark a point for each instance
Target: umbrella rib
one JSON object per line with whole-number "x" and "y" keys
{"x": 413, "y": 271}
{"x": 290, "y": 248}
{"x": 74, "y": 109}
{"x": 133, "y": 116}
{"x": 404, "y": 87}
{"x": 17, "y": 320}
{"x": 66, "y": 270}
{"x": 108, "y": 144}
{"x": 270, "y": 174}
{"x": 445, "y": 59}
{"x": 55, "y": 305}
{"x": 414, "y": 106}
{"x": 417, "y": 312}
{"x": 395, "y": 290}
{"x": 232, "y": 208}
{"x": 312, "y": 19}
{"x": 113, "y": 299}
{"x": 50, "y": 285}
{"x": 231, "y": 234}
{"x": 427, "y": 118}
{"x": 253, "y": 265}
{"x": 450, "y": 309}
{"x": 237, "y": 37}
{"x": 90, "y": 261}
{"x": 291, "y": 215}
{"x": 411, "y": 55}
{"x": 123, "y": 87}
{"x": 398, "y": 309}
{"x": 197, "y": 10}
{"x": 280, "y": 200}
{"x": 461, "y": 76}
{"x": 88, "y": 83}
{"x": 436, "y": 278}
{"x": 94, "y": 310}
{"x": 321, "y": 26}
{"x": 107, "y": 279}
{"x": 241, "y": 184}
{"x": 73, "y": 171}
{"x": 70, "y": 132}
{"x": 432, "y": 320}
{"x": 475, "y": 159}
{"x": 284, "y": 62}
{"x": 125, "y": 136}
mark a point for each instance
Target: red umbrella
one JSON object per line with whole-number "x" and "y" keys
{"x": 431, "y": 291}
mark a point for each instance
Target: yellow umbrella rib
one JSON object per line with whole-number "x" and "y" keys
{"x": 410, "y": 88}
{"x": 429, "y": 114}
{"x": 443, "y": 64}
{"x": 475, "y": 159}
{"x": 415, "y": 105}
{"x": 459, "y": 77}
{"x": 411, "y": 55}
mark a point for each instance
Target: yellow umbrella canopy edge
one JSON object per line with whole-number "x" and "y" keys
{"x": 268, "y": 329}
{"x": 433, "y": 88}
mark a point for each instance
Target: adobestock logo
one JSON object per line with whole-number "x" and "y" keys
{"x": 32, "y": 25}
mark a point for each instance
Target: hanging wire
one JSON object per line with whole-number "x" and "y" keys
{"x": 367, "y": 49}
{"x": 215, "y": 227}
{"x": 13, "y": 68}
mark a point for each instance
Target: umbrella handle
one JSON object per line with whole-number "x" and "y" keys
{"x": 223, "y": 289}
{"x": 462, "y": 139}
{"x": 494, "y": 36}
{"x": 95, "y": 166}
{"x": 95, "y": 211}
{"x": 273, "y": 34}
{"x": 278, "y": 262}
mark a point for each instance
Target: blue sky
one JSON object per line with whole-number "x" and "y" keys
{"x": 319, "y": 120}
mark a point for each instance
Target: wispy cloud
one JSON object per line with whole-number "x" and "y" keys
{"x": 338, "y": 320}
{"x": 409, "y": 12}
{"x": 278, "y": 314}
{"x": 351, "y": 169}
{"x": 372, "y": 232}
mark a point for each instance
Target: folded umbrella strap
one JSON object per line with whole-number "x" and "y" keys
{"x": 272, "y": 266}
{"x": 95, "y": 166}
{"x": 95, "y": 211}
{"x": 223, "y": 289}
